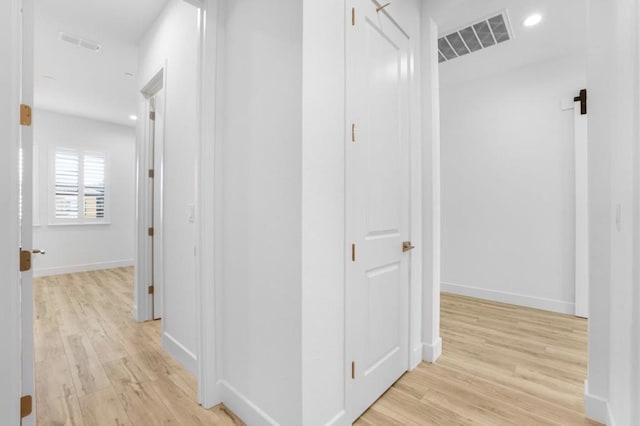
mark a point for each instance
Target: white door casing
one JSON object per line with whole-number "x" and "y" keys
{"x": 149, "y": 253}
{"x": 582, "y": 213}
{"x": 378, "y": 205}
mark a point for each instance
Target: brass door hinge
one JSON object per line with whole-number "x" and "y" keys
{"x": 25, "y": 115}
{"x": 353, "y": 252}
{"x": 25, "y": 260}
{"x": 26, "y": 406}
{"x": 353, "y": 369}
{"x": 151, "y": 289}
{"x": 353, "y": 16}
{"x": 353, "y": 133}
{"x": 150, "y": 232}
{"x": 151, "y": 173}
{"x": 152, "y": 115}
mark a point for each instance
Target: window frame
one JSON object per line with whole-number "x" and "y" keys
{"x": 81, "y": 219}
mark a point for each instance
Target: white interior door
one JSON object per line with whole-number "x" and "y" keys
{"x": 378, "y": 204}
{"x": 582, "y": 208}
{"x": 26, "y": 212}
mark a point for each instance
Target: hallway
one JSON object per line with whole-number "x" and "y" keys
{"x": 95, "y": 366}
{"x": 502, "y": 364}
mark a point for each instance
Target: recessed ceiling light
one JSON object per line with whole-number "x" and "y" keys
{"x": 532, "y": 20}
{"x": 133, "y": 117}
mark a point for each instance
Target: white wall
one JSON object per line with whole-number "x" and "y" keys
{"x": 611, "y": 395}
{"x": 74, "y": 248}
{"x": 259, "y": 185}
{"x": 323, "y": 207}
{"x": 173, "y": 40}
{"x": 508, "y": 195}
{"x": 9, "y": 284}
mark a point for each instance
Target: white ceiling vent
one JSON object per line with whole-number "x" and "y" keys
{"x": 474, "y": 37}
{"x": 80, "y": 42}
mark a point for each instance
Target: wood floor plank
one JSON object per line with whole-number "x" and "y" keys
{"x": 103, "y": 408}
{"x": 60, "y": 412}
{"x": 143, "y": 405}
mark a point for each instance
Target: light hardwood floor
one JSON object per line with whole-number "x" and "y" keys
{"x": 95, "y": 366}
{"x": 502, "y": 365}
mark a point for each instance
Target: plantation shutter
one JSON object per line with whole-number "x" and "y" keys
{"x": 94, "y": 186}
{"x": 67, "y": 189}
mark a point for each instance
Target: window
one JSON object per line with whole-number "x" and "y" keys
{"x": 79, "y": 187}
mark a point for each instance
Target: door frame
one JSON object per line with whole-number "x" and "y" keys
{"x": 143, "y": 303}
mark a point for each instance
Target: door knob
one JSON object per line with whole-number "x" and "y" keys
{"x": 406, "y": 246}
{"x": 38, "y": 251}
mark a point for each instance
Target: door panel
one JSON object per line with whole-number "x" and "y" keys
{"x": 378, "y": 205}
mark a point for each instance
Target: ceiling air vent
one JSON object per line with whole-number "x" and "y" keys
{"x": 80, "y": 42}
{"x": 477, "y": 36}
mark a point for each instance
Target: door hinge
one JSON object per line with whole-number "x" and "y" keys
{"x": 353, "y": 369}
{"x": 353, "y": 16}
{"x": 150, "y": 232}
{"x": 582, "y": 98}
{"x": 25, "y": 115}
{"x": 353, "y": 252}
{"x": 25, "y": 260}
{"x": 151, "y": 173}
{"x": 26, "y": 406}
{"x": 150, "y": 289}
{"x": 152, "y": 115}
{"x": 353, "y": 132}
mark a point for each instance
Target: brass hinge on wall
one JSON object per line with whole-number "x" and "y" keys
{"x": 353, "y": 369}
{"x": 353, "y": 133}
{"x": 26, "y": 406}
{"x": 151, "y": 289}
{"x": 353, "y": 16}
{"x": 25, "y": 260}
{"x": 25, "y": 115}
{"x": 150, "y": 232}
{"x": 353, "y": 252}
{"x": 152, "y": 115}
{"x": 151, "y": 173}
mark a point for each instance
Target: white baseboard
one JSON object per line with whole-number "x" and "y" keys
{"x": 597, "y": 408}
{"x": 337, "y": 419}
{"x": 242, "y": 407}
{"x": 72, "y": 269}
{"x": 510, "y": 298}
{"x": 183, "y": 355}
{"x": 134, "y": 312}
{"x": 432, "y": 351}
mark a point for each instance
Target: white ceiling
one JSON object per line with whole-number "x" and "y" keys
{"x": 561, "y": 32}
{"x": 83, "y": 82}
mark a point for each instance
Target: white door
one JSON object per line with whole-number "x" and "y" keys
{"x": 378, "y": 204}
{"x": 26, "y": 213}
{"x": 582, "y": 206}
